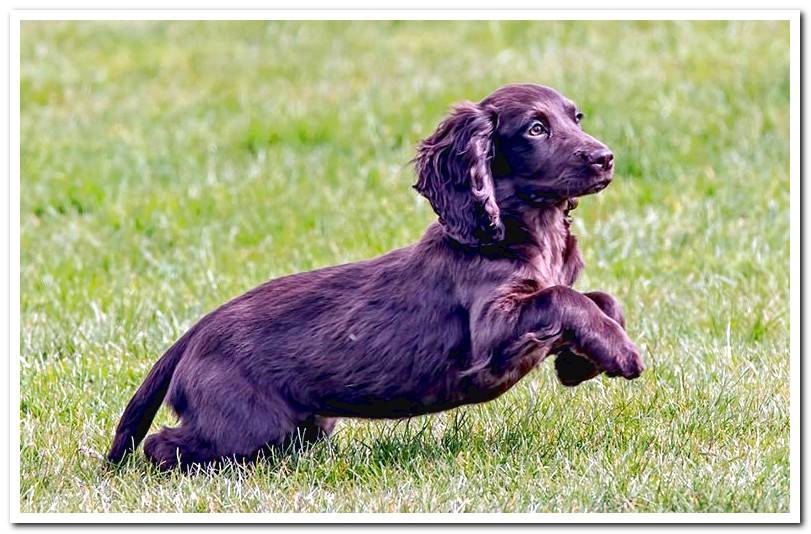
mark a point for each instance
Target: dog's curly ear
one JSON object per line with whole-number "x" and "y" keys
{"x": 453, "y": 173}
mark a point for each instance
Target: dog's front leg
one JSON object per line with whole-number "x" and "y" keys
{"x": 508, "y": 343}
{"x": 572, "y": 368}
{"x": 609, "y": 305}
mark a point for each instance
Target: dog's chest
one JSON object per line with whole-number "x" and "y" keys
{"x": 547, "y": 271}
{"x": 558, "y": 263}
{"x": 556, "y": 260}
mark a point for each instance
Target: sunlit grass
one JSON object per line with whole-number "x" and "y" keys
{"x": 167, "y": 167}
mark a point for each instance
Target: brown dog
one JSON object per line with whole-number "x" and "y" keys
{"x": 457, "y": 318}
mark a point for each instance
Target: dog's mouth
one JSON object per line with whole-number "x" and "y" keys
{"x": 590, "y": 185}
{"x": 596, "y": 180}
{"x": 597, "y": 186}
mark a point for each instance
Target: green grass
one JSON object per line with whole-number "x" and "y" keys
{"x": 168, "y": 167}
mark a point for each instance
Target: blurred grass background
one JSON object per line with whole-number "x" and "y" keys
{"x": 170, "y": 166}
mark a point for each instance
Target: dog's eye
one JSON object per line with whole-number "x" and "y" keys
{"x": 578, "y": 117}
{"x": 536, "y": 129}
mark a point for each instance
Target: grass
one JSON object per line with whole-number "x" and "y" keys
{"x": 167, "y": 167}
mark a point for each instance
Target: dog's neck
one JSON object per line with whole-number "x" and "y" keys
{"x": 539, "y": 235}
{"x": 536, "y": 234}
{"x": 570, "y": 206}
{"x": 532, "y": 225}
{"x": 531, "y": 220}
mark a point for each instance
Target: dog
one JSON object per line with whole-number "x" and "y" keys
{"x": 455, "y": 319}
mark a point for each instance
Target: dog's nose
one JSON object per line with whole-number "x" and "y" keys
{"x": 603, "y": 158}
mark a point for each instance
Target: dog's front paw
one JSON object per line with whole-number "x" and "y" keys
{"x": 627, "y": 362}
{"x": 573, "y": 369}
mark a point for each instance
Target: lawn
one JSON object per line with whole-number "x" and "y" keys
{"x": 168, "y": 167}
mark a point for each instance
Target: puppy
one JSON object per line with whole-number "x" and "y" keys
{"x": 456, "y": 318}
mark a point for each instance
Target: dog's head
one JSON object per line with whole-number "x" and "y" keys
{"x": 523, "y": 144}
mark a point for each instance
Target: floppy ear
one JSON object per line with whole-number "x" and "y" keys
{"x": 453, "y": 173}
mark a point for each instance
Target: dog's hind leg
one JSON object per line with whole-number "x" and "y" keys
{"x": 312, "y": 430}
{"x": 222, "y": 416}
{"x": 179, "y": 446}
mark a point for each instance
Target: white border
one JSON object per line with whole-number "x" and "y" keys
{"x": 14, "y": 256}
{"x": 404, "y": 14}
{"x": 16, "y": 17}
{"x": 795, "y": 328}
{"x": 398, "y": 517}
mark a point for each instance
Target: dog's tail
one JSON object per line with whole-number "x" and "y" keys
{"x": 141, "y": 410}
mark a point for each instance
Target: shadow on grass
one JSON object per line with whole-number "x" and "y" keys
{"x": 408, "y": 445}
